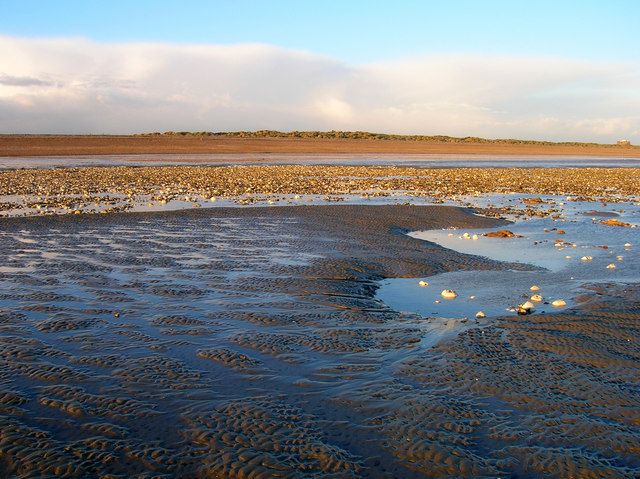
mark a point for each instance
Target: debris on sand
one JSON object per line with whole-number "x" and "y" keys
{"x": 563, "y": 244}
{"x": 611, "y": 266}
{"x": 480, "y": 315}
{"x": 502, "y": 234}
{"x": 449, "y": 294}
{"x": 525, "y": 308}
{"x": 614, "y": 222}
{"x": 586, "y": 258}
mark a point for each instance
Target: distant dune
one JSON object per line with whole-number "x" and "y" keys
{"x": 293, "y": 143}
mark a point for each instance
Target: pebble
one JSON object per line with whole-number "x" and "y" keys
{"x": 525, "y": 308}
{"x": 449, "y": 294}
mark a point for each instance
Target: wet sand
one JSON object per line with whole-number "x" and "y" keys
{"x": 48, "y": 145}
{"x": 247, "y": 342}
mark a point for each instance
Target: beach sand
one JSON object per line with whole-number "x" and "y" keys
{"x": 247, "y": 342}
{"x": 51, "y": 145}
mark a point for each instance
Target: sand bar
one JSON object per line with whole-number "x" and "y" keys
{"x": 51, "y": 145}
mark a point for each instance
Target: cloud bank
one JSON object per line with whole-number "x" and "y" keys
{"x": 74, "y": 85}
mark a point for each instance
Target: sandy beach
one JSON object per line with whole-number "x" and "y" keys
{"x": 248, "y": 342}
{"x": 304, "y": 240}
{"x": 52, "y": 145}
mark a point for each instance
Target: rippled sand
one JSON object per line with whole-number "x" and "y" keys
{"x": 248, "y": 343}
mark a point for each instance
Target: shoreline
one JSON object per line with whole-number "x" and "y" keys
{"x": 79, "y": 145}
{"x": 97, "y": 189}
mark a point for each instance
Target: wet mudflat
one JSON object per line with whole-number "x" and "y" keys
{"x": 248, "y": 342}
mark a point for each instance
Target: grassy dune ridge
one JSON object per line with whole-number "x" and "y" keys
{"x": 366, "y": 135}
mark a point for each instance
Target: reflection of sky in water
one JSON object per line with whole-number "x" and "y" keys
{"x": 563, "y": 272}
{"x": 346, "y": 159}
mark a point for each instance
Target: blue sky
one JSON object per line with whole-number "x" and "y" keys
{"x": 352, "y": 30}
{"x": 556, "y": 70}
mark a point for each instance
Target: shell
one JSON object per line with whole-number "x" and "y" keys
{"x": 536, "y": 297}
{"x": 480, "y": 315}
{"x": 422, "y": 284}
{"x": 559, "y": 303}
{"x": 525, "y": 308}
{"x": 449, "y": 294}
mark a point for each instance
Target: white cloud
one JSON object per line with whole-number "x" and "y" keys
{"x": 74, "y": 85}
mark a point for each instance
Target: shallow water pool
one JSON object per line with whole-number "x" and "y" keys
{"x": 564, "y": 253}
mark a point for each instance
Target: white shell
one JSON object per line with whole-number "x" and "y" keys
{"x": 449, "y": 294}
{"x": 536, "y": 297}
{"x": 422, "y": 284}
{"x": 586, "y": 258}
{"x": 611, "y": 266}
{"x": 535, "y": 287}
{"x": 559, "y": 303}
{"x": 527, "y": 305}
{"x": 480, "y": 315}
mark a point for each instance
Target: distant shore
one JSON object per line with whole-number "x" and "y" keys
{"x": 69, "y": 145}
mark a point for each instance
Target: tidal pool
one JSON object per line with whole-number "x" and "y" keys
{"x": 565, "y": 252}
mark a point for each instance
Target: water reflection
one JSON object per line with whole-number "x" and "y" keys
{"x": 564, "y": 253}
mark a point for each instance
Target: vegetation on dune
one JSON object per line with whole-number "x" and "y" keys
{"x": 365, "y": 135}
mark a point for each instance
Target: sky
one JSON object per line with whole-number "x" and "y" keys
{"x": 551, "y": 70}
